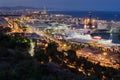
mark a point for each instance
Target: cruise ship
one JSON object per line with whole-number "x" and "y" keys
{"x": 85, "y": 38}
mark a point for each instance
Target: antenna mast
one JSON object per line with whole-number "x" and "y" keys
{"x": 44, "y": 8}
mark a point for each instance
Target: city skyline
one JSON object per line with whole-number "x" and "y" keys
{"x": 87, "y": 5}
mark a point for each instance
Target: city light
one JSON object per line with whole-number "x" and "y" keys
{"x": 105, "y": 53}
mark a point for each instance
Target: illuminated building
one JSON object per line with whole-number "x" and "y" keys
{"x": 90, "y": 23}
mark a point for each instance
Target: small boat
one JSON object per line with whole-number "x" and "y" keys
{"x": 102, "y": 41}
{"x": 97, "y": 38}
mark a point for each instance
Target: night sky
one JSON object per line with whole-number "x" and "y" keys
{"x": 99, "y": 5}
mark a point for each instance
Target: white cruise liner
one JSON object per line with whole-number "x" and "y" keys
{"x": 82, "y": 37}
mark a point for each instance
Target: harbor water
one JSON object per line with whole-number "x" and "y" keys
{"x": 102, "y": 15}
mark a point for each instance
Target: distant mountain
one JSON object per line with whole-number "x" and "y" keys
{"x": 34, "y": 8}
{"x": 19, "y": 7}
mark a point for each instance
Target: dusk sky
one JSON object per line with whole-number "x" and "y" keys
{"x": 101, "y": 5}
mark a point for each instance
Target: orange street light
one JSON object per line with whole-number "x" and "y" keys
{"x": 104, "y": 53}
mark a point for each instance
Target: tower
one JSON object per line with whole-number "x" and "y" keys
{"x": 90, "y": 20}
{"x": 44, "y": 8}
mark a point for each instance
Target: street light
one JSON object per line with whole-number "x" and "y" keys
{"x": 89, "y": 53}
{"x": 104, "y": 53}
{"x": 64, "y": 45}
